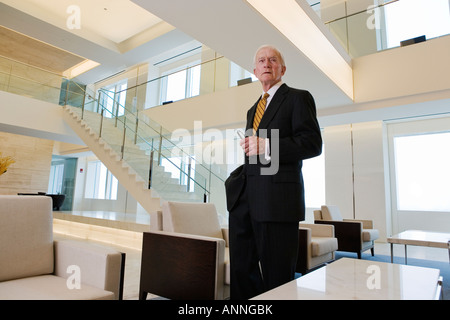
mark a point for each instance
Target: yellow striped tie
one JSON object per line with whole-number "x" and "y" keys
{"x": 260, "y": 108}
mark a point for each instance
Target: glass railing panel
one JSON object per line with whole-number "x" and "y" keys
{"x": 137, "y": 158}
{"x": 202, "y": 78}
{"x": 25, "y": 80}
{"x": 28, "y": 88}
{"x": 383, "y": 24}
{"x": 93, "y": 119}
{"x": 135, "y": 142}
{"x": 183, "y": 168}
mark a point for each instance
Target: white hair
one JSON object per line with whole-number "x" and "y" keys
{"x": 266, "y": 46}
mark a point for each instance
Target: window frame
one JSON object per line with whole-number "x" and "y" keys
{"x": 94, "y": 186}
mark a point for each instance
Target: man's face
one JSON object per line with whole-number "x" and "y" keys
{"x": 268, "y": 67}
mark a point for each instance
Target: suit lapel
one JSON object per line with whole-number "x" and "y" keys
{"x": 273, "y": 107}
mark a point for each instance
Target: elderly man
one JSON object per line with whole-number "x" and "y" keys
{"x": 265, "y": 206}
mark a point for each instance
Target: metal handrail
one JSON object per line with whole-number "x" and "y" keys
{"x": 152, "y": 149}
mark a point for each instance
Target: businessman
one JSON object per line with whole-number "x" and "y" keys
{"x": 265, "y": 196}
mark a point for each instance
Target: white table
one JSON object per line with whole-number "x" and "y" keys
{"x": 420, "y": 238}
{"x": 347, "y": 279}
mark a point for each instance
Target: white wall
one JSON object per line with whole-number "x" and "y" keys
{"x": 223, "y": 109}
{"x": 23, "y": 115}
{"x": 339, "y": 168}
{"x": 356, "y": 172}
{"x": 406, "y": 71}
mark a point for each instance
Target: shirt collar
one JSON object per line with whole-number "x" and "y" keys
{"x": 274, "y": 89}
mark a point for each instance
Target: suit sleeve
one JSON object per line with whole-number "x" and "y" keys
{"x": 306, "y": 140}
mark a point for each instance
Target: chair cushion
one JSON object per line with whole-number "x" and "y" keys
{"x": 49, "y": 287}
{"x": 323, "y": 245}
{"x": 191, "y": 218}
{"x": 26, "y": 236}
{"x": 331, "y": 213}
{"x": 370, "y": 234}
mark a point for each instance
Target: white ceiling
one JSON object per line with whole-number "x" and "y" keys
{"x": 146, "y": 35}
{"x": 113, "y": 20}
{"x": 234, "y": 29}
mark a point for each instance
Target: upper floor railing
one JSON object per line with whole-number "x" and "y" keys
{"x": 366, "y": 27}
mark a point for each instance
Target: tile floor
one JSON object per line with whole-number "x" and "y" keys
{"x": 110, "y": 236}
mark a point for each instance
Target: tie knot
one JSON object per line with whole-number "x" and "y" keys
{"x": 266, "y": 95}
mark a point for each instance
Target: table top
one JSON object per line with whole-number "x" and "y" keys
{"x": 421, "y": 238}
{"x": 360, "y": 280}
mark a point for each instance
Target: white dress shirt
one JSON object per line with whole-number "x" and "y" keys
{"x": 271, "y": 93}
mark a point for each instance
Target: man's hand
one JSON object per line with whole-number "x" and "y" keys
{"x": 253, "y": 145}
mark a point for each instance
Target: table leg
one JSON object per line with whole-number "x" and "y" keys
{"x": 392, "y": 252}
{"x": 406, "y": 255}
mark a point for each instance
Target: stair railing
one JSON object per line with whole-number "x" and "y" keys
{"x": 151, "y": 138}
{"x": 136, "y": 130}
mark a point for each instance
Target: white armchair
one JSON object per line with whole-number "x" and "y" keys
{"x": 317, "y": 245}
{"x": 34, "y": 266}
{"x": 185, "y": 255}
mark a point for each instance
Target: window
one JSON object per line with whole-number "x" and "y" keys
{"x": 181, "y": 85}
{"x": 237, "y": 73}
{"x": 408, "y": 19}
{"x": 113, "y": 99}
{"x": 314, "y": 179}
{"x": 100, "y": 183}
{"x": 176, "y": 86}
{"x": 422, "y": 170}
{"x": 56, "y": 178}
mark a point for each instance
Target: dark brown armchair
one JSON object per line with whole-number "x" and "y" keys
{"x": 185, "y": 256}
{"x": 353, "y": 235}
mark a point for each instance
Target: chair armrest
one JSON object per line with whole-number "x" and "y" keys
{"x": 226, "y": 236}
{"x": 348, "y": 233}
{"x": 344, "y": 227}
{"x": 319, "y": 230}
{"x": 182, "y": 266}
{"x": 99, "y": 266}
{"x": 304, "y": 249}
{"x": 156, "y": 220}
{"x": 367, "y": 224}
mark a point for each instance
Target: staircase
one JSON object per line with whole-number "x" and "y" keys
{"x": 135, "y": 149}
{"x": 127, "y": 161}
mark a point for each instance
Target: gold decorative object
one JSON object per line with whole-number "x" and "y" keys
{"x": 5, "y": 162}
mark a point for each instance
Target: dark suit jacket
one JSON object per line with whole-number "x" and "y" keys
{"x": 280, "y": 197}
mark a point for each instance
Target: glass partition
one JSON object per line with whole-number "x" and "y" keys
{"x": 365, "y": 27}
